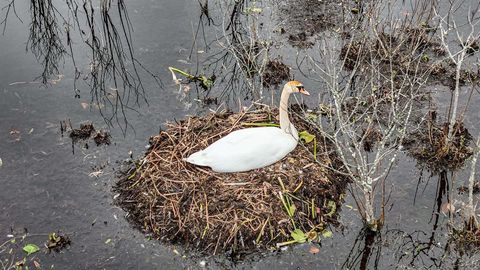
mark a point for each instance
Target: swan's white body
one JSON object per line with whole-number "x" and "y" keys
{"x": 246, "y": 149}
{"x": 252, "y": 148}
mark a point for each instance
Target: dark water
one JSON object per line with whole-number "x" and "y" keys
{"x": 46, "y": 188}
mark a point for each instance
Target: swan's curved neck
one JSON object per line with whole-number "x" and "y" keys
{"x": 285, "y": 124}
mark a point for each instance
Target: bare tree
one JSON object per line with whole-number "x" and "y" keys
{"x": 452, "y": 35}
{"x": 373, "y": 91}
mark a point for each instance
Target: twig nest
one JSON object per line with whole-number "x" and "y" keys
{"x": 236, "y": 212}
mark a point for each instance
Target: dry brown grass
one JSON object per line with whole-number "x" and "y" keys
{"x": 235, "y": 213}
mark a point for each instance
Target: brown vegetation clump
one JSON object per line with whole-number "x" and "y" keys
{"x": 308, "y": 18}
{"x": 466, "y": 239}
{"x": 431, "y": 148}
{"x": 235, "y": 213}
{"x": 84, "y": 133}
{"x": 275, "y": 73}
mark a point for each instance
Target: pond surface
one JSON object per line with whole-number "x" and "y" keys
{"x": 46, "y": 188}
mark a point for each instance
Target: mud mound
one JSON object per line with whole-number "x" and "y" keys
{"x": 287, "y": 202}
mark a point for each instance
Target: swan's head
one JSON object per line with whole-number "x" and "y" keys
{"x": 296, "y": 87}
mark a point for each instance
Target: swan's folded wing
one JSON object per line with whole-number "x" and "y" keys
{"x": 248, "y": 149}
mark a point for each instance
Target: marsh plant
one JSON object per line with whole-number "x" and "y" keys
{"x": 460, "y": 40}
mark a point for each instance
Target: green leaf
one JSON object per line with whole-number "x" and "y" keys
{"x": 298, "y": 236}
{"x": 252, "y": 10}
{"x": 327, "y": 234}
{"x": 425, "y": 58}
{"x": 31, "y": 248}
{"x": 261, "y": 124}
{"x": 333, "y": 208}
{"x": 53, "y": 237}
{"x": 306, "y": 136}
{"x": 292, "y": 209}
{"x": 312, "y": 117}
{"x": 206, "y": 82}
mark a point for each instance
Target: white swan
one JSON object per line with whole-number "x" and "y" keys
{"x": 253, "y": 148}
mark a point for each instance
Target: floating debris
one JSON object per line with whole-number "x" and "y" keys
{"x": 82, "y": 133}
{"x": 58, "y": 241}
{"x": 86, "y": 132}
{"x": 102, "y": 137}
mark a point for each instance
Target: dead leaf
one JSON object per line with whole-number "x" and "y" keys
{"x": 447, "y": 208}
{"x": 314, "y": 250}
{"x": 37, "y": 264}
{"x": 84, "y": 105}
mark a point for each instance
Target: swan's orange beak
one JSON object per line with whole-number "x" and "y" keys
{"x": 303, "y": 91}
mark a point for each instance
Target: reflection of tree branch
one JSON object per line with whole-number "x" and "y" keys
{"x": 45, "y": 37}
{"x": 359, "y": 256}
{"x": 114, "y": 74}
{"x": 8, "y": 7}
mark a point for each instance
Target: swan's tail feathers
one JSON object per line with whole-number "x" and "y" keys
{"x": 198, "y": 158}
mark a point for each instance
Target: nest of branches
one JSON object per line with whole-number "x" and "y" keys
{"x": 290, "y": 201}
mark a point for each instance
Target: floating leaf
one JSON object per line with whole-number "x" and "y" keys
{"x": 1, "y": 162}
{"x": 327, "y": 234}
{"x": 306, "y": 136}
{"x": 31, "y": 248}
{"x": 108, "y": 241}
{"x": 298, "y": 236}
{"x": 314, "y": 250}
{"x": 447, "y": 208}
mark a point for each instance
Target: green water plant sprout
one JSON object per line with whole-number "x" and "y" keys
{"x": 205, "y": 82}
{"x": 299, "y": 236}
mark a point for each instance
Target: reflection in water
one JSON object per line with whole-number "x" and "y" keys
{"x": 240, "y": 54}
{"x": 113, "y": 72}
{"x": 364, "y": 248}
{"x": 407, "y": 250}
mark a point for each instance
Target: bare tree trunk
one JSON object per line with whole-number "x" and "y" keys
{"x": 456, "y": 93}
{"x": 369, "y": 213}
{"x": 470, "y": 209}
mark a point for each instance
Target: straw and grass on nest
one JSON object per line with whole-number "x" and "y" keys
{"x": 290, "y": 201}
